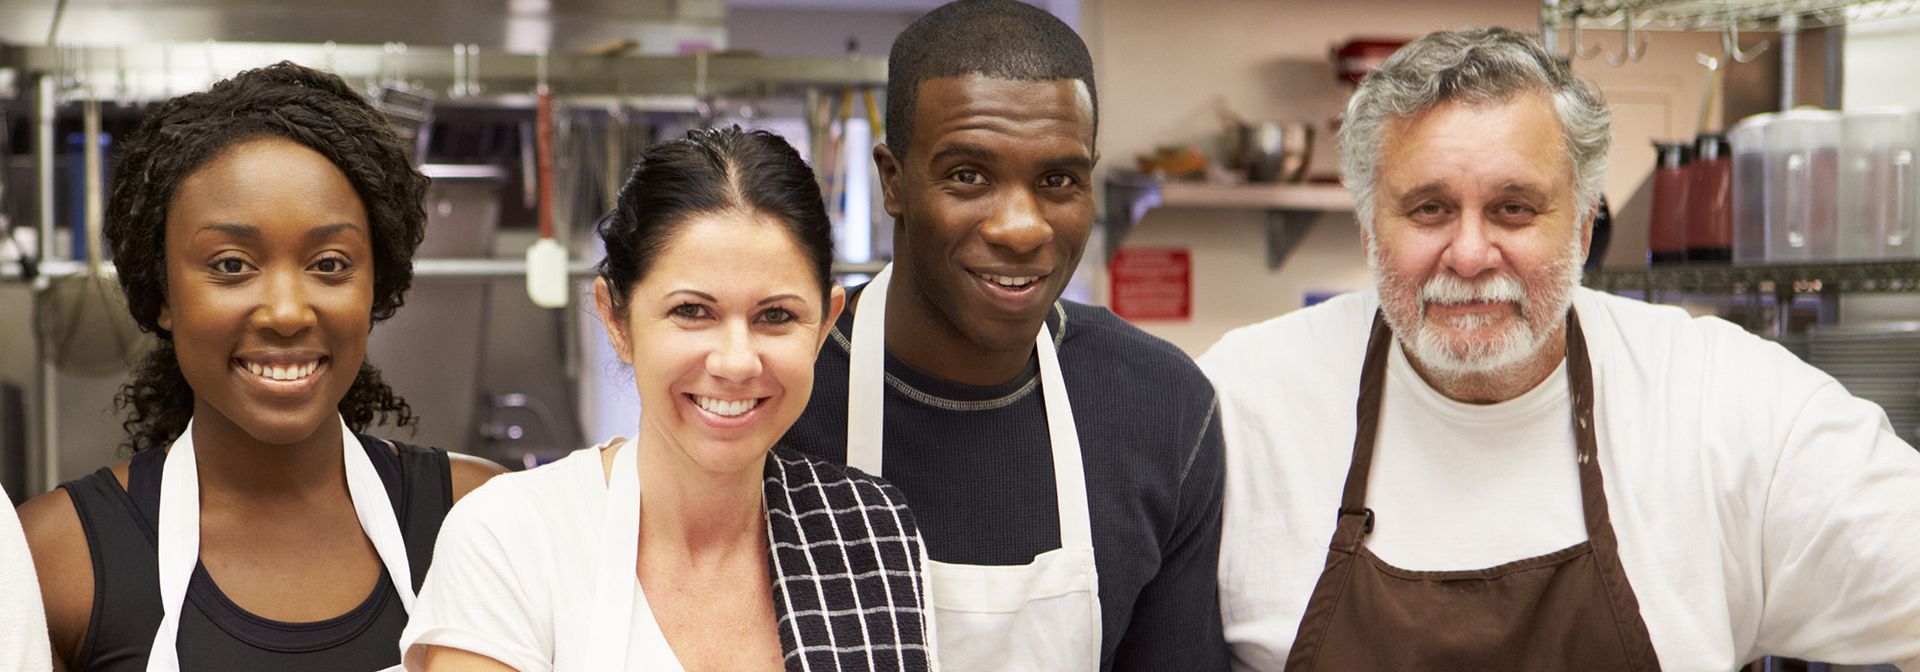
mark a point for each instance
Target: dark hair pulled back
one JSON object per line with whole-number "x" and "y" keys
{"x": 289, "y": 101}
{"x": 710, "y": 171}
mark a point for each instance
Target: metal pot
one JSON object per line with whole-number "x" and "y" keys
{"x": 1273, "y": 152}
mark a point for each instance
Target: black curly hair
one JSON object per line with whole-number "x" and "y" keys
{"x": 285, "y": 100}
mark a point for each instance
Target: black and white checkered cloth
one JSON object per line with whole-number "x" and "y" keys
{"x": 846, "y": 564}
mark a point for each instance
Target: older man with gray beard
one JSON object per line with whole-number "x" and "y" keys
{"x": 1482, "y": 466}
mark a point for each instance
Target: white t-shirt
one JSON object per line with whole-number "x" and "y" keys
{"x": 512, "y": 576}
{"x": 23, "y": 622}
{"x": 1761, "y": 509}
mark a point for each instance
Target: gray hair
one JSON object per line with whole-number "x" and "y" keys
{"x": 1474, "y": 66}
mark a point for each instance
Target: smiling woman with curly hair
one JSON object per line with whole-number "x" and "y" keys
{"x": 260, "y": 229}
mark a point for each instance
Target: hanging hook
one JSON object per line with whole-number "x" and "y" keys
{"x": 1632, "y": 49}
{"x": 1579, "y": 48}
{"x": 1730, "y": 45}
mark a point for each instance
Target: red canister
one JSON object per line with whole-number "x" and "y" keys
{"x": 1710, "y": 200}
{"x": 1667, "y": 229}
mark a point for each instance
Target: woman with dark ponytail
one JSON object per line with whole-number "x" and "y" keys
{"x": 259, "y": 229}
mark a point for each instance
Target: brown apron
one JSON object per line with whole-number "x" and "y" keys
{"x": 1567, "y": 610}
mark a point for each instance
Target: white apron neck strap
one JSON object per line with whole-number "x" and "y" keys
{"x": 178, "y": 546}
{"x": 866, "y": 383}
{"x": 377, "y": 515}
{"x": 179, "y": 535}
{"x": 866, "y": 399}
{"x": 615, "y": 570}
{"x": 1069, "y": 474}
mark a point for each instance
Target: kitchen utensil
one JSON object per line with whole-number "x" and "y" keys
{"x": 82, "y": 319}
{"x": 1274, "y": 152}
{"x": 546, "y": 258}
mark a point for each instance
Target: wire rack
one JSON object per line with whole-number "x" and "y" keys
{"x": 1722, "y": 14}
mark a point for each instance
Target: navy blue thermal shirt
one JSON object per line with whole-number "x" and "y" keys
{"x": 975, "y": 465}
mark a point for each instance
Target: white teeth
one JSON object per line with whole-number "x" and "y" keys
{"x": 727, "y": 409}
{"x": 1010, "y": 281}
{"x": 281, "y": 372}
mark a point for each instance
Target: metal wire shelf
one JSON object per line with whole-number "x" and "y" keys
{"x": 1722, "y": 14}
{"x": 1850, "y": 277}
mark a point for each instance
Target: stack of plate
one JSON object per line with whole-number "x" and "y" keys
{"x": 1879, "y": 362}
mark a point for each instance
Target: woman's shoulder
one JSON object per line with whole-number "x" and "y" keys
{"x": 528, "y": 501}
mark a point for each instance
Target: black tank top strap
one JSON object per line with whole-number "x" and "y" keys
{"x": 126, "y": 583}
{"x": 419, "y": 481}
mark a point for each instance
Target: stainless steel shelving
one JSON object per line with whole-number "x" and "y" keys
{"x": 1711, "y": 15}
{"x": 1845, "y": 277}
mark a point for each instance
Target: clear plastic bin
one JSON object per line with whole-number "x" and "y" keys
{"x": 1803, "y": 185}
{"x": 1878, "y": 214}
{"x": 1749, "y": 140}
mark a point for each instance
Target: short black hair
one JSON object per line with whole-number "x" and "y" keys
{"x": 1001, "y": 39}
{"x": 710, "y": 171}
{"x": 314, "y": 108}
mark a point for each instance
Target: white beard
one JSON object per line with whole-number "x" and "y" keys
{"x": 1486, "y": 349}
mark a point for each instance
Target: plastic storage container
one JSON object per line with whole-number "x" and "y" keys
{"x": 1878, "y": 213}
{"x": 1749, "y": 140}
{"x": 1667, "y": 228}
{"x": 1803, "y": 185}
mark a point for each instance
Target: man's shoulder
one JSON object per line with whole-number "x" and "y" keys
{"x": 1094, "y": 332}
{"x": 1665, "y": 346}
{"x": 1644, "y": 329}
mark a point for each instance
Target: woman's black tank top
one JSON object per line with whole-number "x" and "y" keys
{"x": 216, "y": 634}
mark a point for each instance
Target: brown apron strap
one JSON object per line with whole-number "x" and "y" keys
{"x": 1593, "y": 499}
{"x": 1356, "y": 520}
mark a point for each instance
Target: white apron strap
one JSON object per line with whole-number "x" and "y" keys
{"x": 179, "y": 535}
{"x": 1069, "y": 473}
{"x": 179, "y": 546}
{"x": 620, "y": 609}
{"x": 615, "y": 573}
{"x": 866, "y": 384}
{"x": 376, "y": 513}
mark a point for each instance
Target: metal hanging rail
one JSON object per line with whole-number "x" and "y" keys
{"x": 154, "y": 72}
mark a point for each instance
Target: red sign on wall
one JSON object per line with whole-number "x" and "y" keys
{"x": 1152, "y": 283}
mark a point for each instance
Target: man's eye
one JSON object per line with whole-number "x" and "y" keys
{"x": 968, "y": 177}
{"x": 1430, "y": 210}
{"x": 1060, "y": 181}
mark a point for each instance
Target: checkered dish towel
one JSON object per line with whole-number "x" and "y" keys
{"x": 847, "y": 562}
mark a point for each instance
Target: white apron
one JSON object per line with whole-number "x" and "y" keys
{"x": 1044, "y": 615}
{"x": 620, "y": 607}
{"x": 179, "y": 536}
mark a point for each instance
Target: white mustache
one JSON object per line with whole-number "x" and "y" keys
{"x": 1445, "y": 288}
